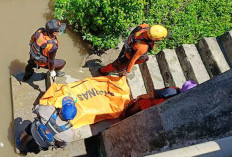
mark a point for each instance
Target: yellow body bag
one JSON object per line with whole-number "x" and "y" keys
{"x": 96, "y": 98}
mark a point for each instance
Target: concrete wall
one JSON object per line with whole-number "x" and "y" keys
{"x": 201, "y": 114}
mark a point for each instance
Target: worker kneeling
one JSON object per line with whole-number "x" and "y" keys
{"x": 141, "y": 41}
{"x": 51, "y": 127}
{"x": 43, "y": 48}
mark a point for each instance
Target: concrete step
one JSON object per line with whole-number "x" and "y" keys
{"x": 151, "y": 74}
{"x": 212, "y": 56}
{"x": 135, "y": 82}
{"x": 188, "y": 62}
{"x": 174, "y": 67}
{"x": 226, "y": 45}
{"x": 191, "y": 63}
{"x": 164, "y": 70}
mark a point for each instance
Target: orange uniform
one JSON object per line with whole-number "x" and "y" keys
{"x": 42, "y": 44}
{"x": 141, "y": 47}
{"x": 148, "y": 100}
{"x": 133, "y": 52}
{"x": 43, "y": 47}
{"x": 158, "y": 98}
{"x": 42, "y": 53}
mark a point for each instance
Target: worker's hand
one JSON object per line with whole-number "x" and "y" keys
{"x": 124, "y": 73}
{"x": 52, "y": 73}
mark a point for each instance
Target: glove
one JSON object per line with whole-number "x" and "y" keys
{"x": 124, "y": 73}
{"x": 52, "y": 73}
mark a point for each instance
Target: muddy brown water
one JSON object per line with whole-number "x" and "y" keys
{"x": 19, "y": 20}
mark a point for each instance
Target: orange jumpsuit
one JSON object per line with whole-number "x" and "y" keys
{"x": 48, "y": 50}
{"x": 126, "y": 59}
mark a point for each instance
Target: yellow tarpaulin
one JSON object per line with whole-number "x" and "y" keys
{"x": 97, "y": 98}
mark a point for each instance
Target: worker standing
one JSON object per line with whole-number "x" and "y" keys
{"x": 43, "y": 48}
{"x": 139, "y": 43}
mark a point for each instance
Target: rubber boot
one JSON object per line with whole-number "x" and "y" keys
{"x": 28, "y": 75}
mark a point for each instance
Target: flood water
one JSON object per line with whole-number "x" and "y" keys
{"x": 19, "y": 20}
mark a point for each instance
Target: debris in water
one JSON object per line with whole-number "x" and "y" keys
{"x": 1, "y": 144}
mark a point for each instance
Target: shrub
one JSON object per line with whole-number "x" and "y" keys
{"x": 190, "y": 20}
{"x": 102, "y": 22}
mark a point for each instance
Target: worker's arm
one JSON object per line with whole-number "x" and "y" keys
{"x": 141, "y": 48}
{"x": 64, "y": 138}
{"x": 40, "y": 42}
{"x": 35, "y": 109}
{"x": 43, "y": 112}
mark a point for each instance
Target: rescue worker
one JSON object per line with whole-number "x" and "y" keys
{"x": 52, "y": 127}
{"x": 145, "y": 101}
{"x": 43, "y": 48}
{"x": 139, "y": 43}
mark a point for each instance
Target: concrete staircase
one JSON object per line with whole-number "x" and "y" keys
{"x": 200, "y": 115}
{"x": 172, "y": 67}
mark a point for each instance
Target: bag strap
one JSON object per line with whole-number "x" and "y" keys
{"x": 133, "y": 40}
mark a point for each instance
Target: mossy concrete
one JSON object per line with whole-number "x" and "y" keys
{"x": 212, "y": 56}
{"x": 226, "y": 44}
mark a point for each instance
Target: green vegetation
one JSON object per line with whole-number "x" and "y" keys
{"x": 102, "y": 22}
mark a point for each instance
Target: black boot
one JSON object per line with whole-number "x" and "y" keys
{"x": 28, "y": 75}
